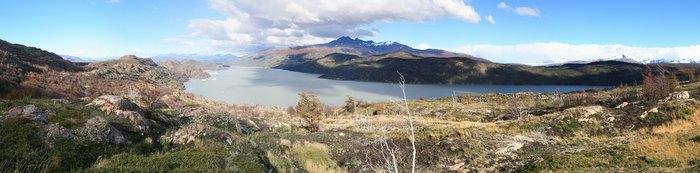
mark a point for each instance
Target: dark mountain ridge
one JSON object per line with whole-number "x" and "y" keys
{"x": 461, "y": 70}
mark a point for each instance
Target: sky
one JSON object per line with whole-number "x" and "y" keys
{"x": 507, "y": 31}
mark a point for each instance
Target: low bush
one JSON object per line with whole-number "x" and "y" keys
{"x": 613, "y": 159}
{"x": 310, "y": 109}
{"x": 21, "y": 149}
{"x": 668, "y": 112}
{"x": 187, "y": 160}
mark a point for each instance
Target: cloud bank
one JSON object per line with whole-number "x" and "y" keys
{"x": 554, "y": 52}
{"x": 299, "y": 22}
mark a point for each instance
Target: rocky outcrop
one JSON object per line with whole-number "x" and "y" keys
{"x": 680, "y": 95}
{"x": 119, "y": 107}
{"x": 186, "y": 134}
{"x": 31, "y": 112}
{"x": 582, "y": 113}
{"x": 99, "y": 129}
{"x": 56, "y": 131}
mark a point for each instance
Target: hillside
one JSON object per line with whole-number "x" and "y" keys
{"x": 189, "y": 69}
{"x": 354, "y": 59}
{"x": 458, "y": 70}
{"x": 129, "y": 115}
{"x": 17, "y": 60}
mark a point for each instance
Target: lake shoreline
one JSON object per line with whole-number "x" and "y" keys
{"x": 278, "y": 87}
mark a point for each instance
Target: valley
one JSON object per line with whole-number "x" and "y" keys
{"x": 132, "y": 115}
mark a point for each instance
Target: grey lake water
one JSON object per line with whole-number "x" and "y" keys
{"x": 275, "y": 87}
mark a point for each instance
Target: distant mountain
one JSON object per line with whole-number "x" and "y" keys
{"x": 463, "y": 70}
{"x": 72, "y": 58}
{"x": 670, "y": 61}
{"x": 218, "y": 58}
{"x": 619, "y": 58}
{"x": 345, "y": 45}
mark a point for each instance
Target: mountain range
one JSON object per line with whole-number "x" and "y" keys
{"x": 215, "y": 58}
{"x": 354, "y": 59}
{"x": 280, "y": 56}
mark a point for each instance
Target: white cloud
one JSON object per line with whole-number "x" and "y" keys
{"x": 490, "y": 19}
{"x": 527, "y": 11}
{"x": 503, "y": 5}
{"x": 114, "y": 1}
{"x": 554, "y": 52}
{"x": 523, "y": 11}
{"x": 423, "y": 46}
{"x": 251, "y": 23}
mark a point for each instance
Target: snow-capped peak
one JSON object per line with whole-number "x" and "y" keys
{"x": 386, "y": 43}
{"x": 670, "y": 61}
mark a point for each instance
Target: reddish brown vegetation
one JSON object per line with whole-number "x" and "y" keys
{"x": 655, "y": 86}
{"x": 310, "y": 109}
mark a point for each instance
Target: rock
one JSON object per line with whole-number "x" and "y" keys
{"x": 122, "y": 108}
{"x": 86, "y": 99}
{"x": 111, "y": 103}
{"x": 655, "y": 110}
{"x": 586, "y": 120}
{"x": 55, "y": 130}
{"x": 623, "y": 105}
{"x": 186, "y": 134}
{"x": 611, "y": 119}
{"x": 646, "y": 113}
{"x": 584, "y": 111}
{"x": 252, "y": 125}
{"x": 456, "y": 166}
{"x": 99, "y": 129}
{"x": 513, "y": 144}
{"x": 31, "y": 112}
{"x": 680, "y": 95}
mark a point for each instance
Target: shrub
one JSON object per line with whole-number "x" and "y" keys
{"x": 668, "y": 112}
{"x": 350, "y": 105}
{"x": 187, "y": 160}
{"x": 151, "y": 97}
{"x": 379, "y": 109}
{"x": 613, "y": 159}
{"x": 579, "y": 99}
{"x": 310, "y": 109}
{"x": 654, "y": 87}
{"x": 465, "y": 99}
{"x": 22, "y": 150}
{"x": 314, "y": 157}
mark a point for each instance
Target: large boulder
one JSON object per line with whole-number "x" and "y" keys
{"x": 680, "y": 95}
{"x": 31, "y": 112}
{"x": 120, "y": 107}
{"x": 99, "y": 129}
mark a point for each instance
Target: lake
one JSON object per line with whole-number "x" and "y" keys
{"x": 275, "y": 87}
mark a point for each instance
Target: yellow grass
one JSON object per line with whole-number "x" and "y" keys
{"x": 679, "y": 125}
{"x": 673, "y": 141}
{"x": 397, "y": 123}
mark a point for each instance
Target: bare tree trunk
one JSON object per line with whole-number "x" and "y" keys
{"x": 402, "y": 84}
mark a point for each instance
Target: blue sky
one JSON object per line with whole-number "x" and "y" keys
{"x": 525, "y": 31}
